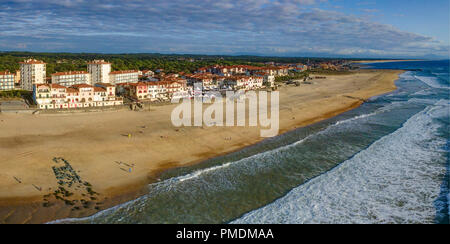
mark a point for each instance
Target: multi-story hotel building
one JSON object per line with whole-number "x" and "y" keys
{"x": 124, "y": 76}
{"x": 71, "y": 78}
{"x": 32, "y": 72}
{"x": 6, "y": 81}
{"x": 99, "y": 70}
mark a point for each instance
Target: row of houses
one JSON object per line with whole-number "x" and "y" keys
{"x": 33, "y": 72}
{"x": 245, "y": 70}
{"x": 55, "y": 96}
{"x": 156, "y": 90}
{"x": 99, "y": 86}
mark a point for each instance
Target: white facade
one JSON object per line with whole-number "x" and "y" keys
{"x": 124, "y": 76}
{"x": 157, "y": 90}
{"x": 32, "y": 72}
{"x": 71, "y": 78}
{"x": 244, "y": 82}
{"x": 269, "y": 79}
{"x": 7, "y": 81}
{"x": 99, "y": 70}
{"x": 55, "y": 96}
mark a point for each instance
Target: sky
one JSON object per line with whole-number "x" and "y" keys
{"x": 314, "y": 28}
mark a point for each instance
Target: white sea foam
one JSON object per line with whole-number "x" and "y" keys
{"x": 424, "y": 92}
{"x": 408, "y": 75}
{"x": 431, "y": 81}
{"x": 170, "y": 183}
{"x": 395, "y": 180}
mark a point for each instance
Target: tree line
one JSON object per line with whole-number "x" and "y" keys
{"x": 63, "y": 62}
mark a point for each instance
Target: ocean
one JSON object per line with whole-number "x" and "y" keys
{"x": 384, "y": 162}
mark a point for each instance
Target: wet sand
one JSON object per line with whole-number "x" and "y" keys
{"x": 117, "y": 167}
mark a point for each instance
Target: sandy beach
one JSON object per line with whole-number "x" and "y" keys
{"x": 117, "y": 153}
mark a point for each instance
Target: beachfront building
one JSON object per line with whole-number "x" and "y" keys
{"x": 139, "y": 91}
{"x": 71, "y": 78}
{"x": 50, "y": 96}
{"x": 110, "y": 89}
{"x": 243, "y": 82}
{"x": 99, "y": 70}
{"x": 282, "y": 70}
{"x": 32, "y": 72}
{"x": 176, "y": 88}
{"x": 124, "y": 76}
{"x": 55, "y": 96}
{"x": 7, "y": 80}
{"x": 157, "y": 90}
{"x": 206, "y": 79}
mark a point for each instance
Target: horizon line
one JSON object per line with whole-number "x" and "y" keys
{"x": 222, "y": 55}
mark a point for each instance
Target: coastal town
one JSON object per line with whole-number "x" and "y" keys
{"x": 75, "y": 140}
{"x": 100, "y": 86}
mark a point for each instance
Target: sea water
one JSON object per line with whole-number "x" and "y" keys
{"x": 384, "y": 162}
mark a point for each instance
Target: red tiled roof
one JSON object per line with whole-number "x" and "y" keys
{"x": 57, "y": 86}
{"x": 71, "y": 90}
{"x": 82, "y": 86}
{"x": 99, "y": 89}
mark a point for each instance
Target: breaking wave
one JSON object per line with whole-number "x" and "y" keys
{"x": 395, "y": 180}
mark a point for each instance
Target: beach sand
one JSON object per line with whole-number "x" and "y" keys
{"x": 118, "y": 166}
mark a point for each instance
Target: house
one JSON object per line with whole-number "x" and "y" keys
{"x": 55, "y": 96}
{"x": 243, "y": 82}
{"x": 138, "y": 90}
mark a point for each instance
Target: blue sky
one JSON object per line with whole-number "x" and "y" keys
{"x": 325, "y": 28}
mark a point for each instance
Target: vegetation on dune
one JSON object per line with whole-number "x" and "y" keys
{"x": 15, "y": 94}
{"x": 329, "y": 72}
{"x": 292, "y": 76}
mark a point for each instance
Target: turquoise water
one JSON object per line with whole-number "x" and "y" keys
{"x": 384, "y": 162}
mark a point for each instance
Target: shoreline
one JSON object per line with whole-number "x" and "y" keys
{"x": 386, "y": 61}
{"x": 21, "y": 209}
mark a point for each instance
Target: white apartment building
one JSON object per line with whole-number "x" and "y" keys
{"x": 55, "y": 96}
{"x": 32, "y": 72}
{"x": 71, "y": 78}
{"x": 99, "y": 70}
{"x": 124, "y": 76}
{"x": 157, "y": 90}
{"x": 243, "y": 82}
{"x": 7, "y": 80}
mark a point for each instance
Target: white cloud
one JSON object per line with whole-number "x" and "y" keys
{"x": 262, "y": 26}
